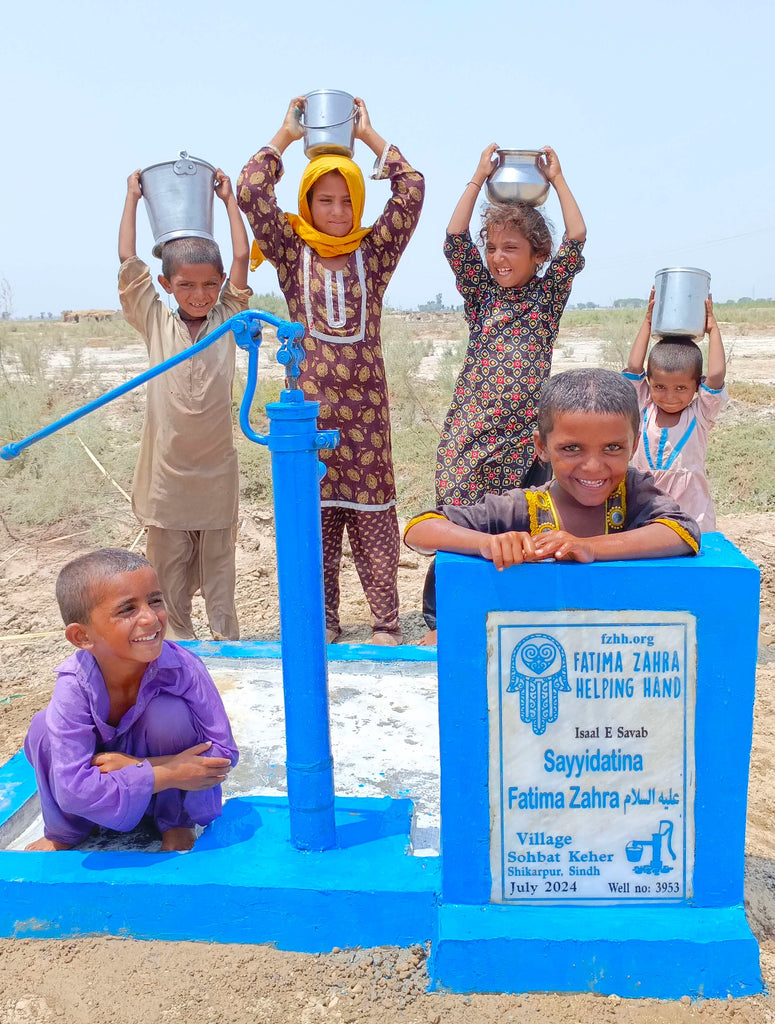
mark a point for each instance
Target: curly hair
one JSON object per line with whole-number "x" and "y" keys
{"x": 521, "y": 217}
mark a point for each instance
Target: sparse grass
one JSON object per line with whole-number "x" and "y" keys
{"x": 741, "y": 466}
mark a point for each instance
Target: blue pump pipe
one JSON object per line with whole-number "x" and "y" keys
{"x": 293, "y": 442}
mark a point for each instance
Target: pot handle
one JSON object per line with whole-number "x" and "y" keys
{"x": 353, "y": 116}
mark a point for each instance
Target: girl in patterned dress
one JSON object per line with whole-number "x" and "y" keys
{"x": 333, "y": 274}
{"x": 513, "y": 316}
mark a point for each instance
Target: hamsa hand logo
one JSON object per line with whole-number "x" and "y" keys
{"x": 539, "y": 672}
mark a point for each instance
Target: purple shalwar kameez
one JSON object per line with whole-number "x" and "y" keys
{"x": 177, "y": 707}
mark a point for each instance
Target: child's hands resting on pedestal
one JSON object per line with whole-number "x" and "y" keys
{"x": 505, "y": 549}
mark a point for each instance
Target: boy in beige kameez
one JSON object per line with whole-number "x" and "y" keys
{"x": 186, "y": 486}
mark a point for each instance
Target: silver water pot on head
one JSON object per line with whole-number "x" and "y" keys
{"x": 518, "y": 178}
{"x": 679, "y": 302}
{"x": 178, "y": 196}
{"x": 328, "y": 120}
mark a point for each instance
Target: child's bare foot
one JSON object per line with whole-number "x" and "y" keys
{"x": 429, "y": 640}
{"x": 178, "y": 839}
{"x": 44, "y": 845}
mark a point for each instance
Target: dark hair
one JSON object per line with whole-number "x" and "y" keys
{"x": 178, "y": 251}
{"x": 674, "y": 354}
{"x": 78, "y": 584}
{"x": 523, "y": 218}
{"x": 588, "y": 389}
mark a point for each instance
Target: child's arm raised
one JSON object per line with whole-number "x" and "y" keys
{"x": 640, "y": 346}
{"x": 461, "y": 215}
{"x": 575, "y": 228}
{"x": 238, "y": 275}
{"x": 290, "y": 130}
{"x": 717, "y": 362}
{"x": 365, "y": 132}
{"x": 127, "y": 232}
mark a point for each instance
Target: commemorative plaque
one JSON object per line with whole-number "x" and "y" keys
{"x": 591, "y": 756}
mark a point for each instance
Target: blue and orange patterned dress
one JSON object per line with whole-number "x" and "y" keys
{"x": 486, "y": 445}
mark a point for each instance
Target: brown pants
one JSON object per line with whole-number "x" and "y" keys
{"x": 375, "y": 546}
{"x": 190, "y": 560}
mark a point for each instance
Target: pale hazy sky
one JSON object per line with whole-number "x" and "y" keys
{"x": 661, "y": 114}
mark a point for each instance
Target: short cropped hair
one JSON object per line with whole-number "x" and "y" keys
{"x": 78, "y": 584}
{"x": 178, "y": 251}
{"x": 527, "y": 220}
{"x": 676, "y": 355}
{"x": 587, "y": 390}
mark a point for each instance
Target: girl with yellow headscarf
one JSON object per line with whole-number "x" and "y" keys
{"x": 334, "y": 274}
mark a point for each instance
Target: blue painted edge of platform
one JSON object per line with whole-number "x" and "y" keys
{"x": 634, "y": 952}
{"x": 243, "y": 882}
{"x": 335, "y": 652}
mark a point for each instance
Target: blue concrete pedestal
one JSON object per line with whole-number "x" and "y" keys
{"x": 697, "y": 943}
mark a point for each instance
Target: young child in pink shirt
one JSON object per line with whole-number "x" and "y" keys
{"x": 678, "y": 407}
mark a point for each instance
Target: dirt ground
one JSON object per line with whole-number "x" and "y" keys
{"x": 123, "y": 981}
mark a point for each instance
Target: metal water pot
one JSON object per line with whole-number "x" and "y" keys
{"x": 178, "y": 196}
{"x": 679, "y": 302}
{"x": 328, "y": 121}
{"x": 518, "y": 178}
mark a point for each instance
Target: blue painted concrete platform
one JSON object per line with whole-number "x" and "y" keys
{"x": 243, "y": 882}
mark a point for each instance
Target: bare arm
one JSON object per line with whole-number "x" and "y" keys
{"x": 365, "y": 132}
{"x": 187, "y": 770}
{"x": 717, "y": 362}
{"x": 291, "y": 128}
{"x": 652, "y": 541}
{"x": 238, "y": 274}
{"x": 640, "y": 346}
{"x": 575, "y": 228}
{"x": 502, "y": 549}
{"x": 127, "y": 232}
{"x": 461, "y": 215}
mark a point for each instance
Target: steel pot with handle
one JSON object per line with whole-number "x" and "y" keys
{"x": 328, "y": 121}
{"x": 178, "y": 195}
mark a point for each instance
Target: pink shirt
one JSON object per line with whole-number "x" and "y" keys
{"x": 676, "y": 455}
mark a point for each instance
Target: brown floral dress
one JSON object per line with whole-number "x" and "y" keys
{"x": 344, "y": 370}
{"x": 486, "y": 445}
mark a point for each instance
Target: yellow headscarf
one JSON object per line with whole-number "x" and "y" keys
{"x": 301, "y": 222}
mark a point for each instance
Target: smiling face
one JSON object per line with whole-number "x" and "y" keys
{"x": 510, "y": 257}
{"x": 196, "y": 287}
{"x": 672, "y": 392}
{"x": 330, "y": 205}
{"x": 126, "y": 626}
{"x": 589, "y": 453}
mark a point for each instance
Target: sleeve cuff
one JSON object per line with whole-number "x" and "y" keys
{"x": 379, "y": 165}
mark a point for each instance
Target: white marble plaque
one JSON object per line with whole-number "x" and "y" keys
{"x": 591, "y": 756}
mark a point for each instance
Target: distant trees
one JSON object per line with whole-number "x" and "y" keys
{"x": 630, "y": 303}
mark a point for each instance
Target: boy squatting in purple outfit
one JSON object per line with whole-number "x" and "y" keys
{"x": 132, "y": 715}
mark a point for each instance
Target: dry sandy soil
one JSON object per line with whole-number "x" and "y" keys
{"x": 122, "y": 981}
